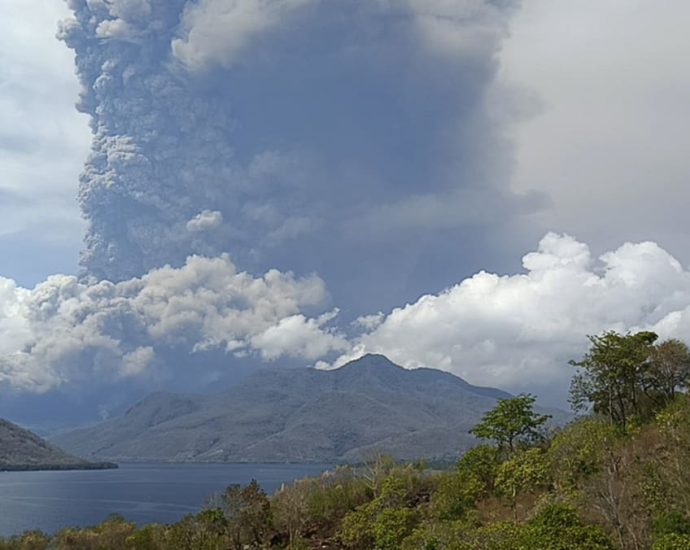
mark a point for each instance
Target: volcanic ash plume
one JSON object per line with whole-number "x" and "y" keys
{"x": 289, "y": 133}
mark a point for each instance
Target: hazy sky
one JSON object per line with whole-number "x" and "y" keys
{"x": 351, "y": 176}
{"x": 609, "y": 140}
{"x": 43, "y": 144}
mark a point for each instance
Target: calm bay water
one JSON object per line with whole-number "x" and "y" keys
{"x": 142, "y": 493}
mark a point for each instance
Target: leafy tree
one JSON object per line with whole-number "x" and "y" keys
{"x": 558, "y": 527}
{"x": 149, "y": 537}
{"x": 385, "y": 521}
{"x": 499, "y": 535}
{"x": 248, "y": 512}
{"x": 441, "y": 535}
{"x": 392, "y": 526}
{"x": 454, "y": 495}
{"x": 481, "y": 463}
{"x": 629, "y": 376}
{"x": 580, "y": 450}
{"x": 111, "y": 533}
{"x": 512, "y": 422}
{"x": 456, "y": 492}
{"x": 31, "y": 540}
{"x": 355, "y": 530}
{"x": 525, "y": 472}
{"x": 612, "y": 375}
{"x": 207, "y": 530}
{"x": 335, "y": 494}
{"x": 669, "y": 370}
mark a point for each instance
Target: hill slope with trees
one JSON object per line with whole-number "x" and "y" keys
{"x": 617, "y": 478}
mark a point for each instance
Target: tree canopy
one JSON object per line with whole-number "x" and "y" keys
{"x": 629, "y": 376}
{"x": 512, "y": 422}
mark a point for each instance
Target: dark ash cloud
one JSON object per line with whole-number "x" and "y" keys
{"x": 324, "y": 135}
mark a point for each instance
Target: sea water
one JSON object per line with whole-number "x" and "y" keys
{"x": 143, "y": 493}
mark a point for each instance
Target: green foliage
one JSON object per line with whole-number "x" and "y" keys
{"x": 672, "y": 522}
{"x": 555, "y": 527}
{"x": 356, "y": 529}
{"x": 664, "y": 463}
{"x": 672, "y": 542}
{"x": 591, "y": 486}
{"x": 31, "y": 540}
{"x": 455, "y": 494}
{"x": 611, "y": 375}
{"x": 500, "y": 535}
{"x": 392, "y": 515}
{"x": 205, "y": 531}
{"x": 526, "y": 471}
{"x": 248, "y": 513}
{"x": 149, "y": 537}
{"x": 334, "y": 494}
{"x": 674, "y": 420}
{"x": 512, "y": 422}
{"x": 112, "y": 533}
{"x": 441, "y": 535}
{"x": 628, "y": 378}
{"x": 392, "y": 526}
{"x": 559, "y": 527}
{"x": 480, "y": 462}
{"x": 669, "y": 370}
{"x": 376, "y": 470}
{"x": 580, "y": 449}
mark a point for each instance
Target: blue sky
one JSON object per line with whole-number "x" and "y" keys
{"x": 350, "y": 175}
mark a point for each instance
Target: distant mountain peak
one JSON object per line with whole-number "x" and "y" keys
{"x": 21, "y": 449}
{"x": 376, "y": 360}
{"x": 366, "y": 407}
{"x": 382, "y": 368}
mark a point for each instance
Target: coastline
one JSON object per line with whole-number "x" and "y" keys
{"x": 58, "y": 467}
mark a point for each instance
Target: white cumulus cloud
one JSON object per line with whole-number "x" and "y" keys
{"x": 298, "y": 336}
{"x": 204, "y": 221}
{"x": 519, "y": 331}
{"x": 64, "y": 331}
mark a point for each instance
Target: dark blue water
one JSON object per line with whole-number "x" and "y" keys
{"x": 143, "y": 493}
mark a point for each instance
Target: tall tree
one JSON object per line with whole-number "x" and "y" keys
{"x": 612, "y": 376}
{"x": 629, "y": 376}
{"x": 669, "y": 370}
{"x": 248, "y": 513}
{"x": 511, "y": 422}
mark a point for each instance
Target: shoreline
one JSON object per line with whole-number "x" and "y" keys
{"x": 58, "y": 467}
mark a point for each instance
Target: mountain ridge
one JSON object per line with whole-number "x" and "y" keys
{"x": 366, "y": 407}
{"x": 21, "y": 449}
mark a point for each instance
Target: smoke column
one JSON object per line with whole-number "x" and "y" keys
{"x": 255, "y": 162}
{"x": 348, "y": 138}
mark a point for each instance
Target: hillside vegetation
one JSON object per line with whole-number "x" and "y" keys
{"x": 616, "y": 478}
